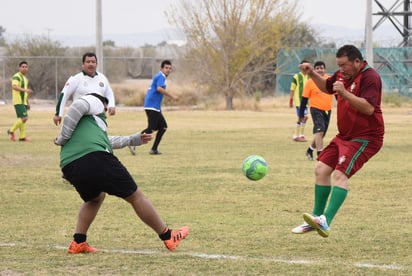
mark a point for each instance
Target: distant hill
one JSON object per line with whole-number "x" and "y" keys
{"x": 384, "y": 36}
{"x": 132, "y": 40}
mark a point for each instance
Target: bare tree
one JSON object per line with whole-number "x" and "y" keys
{"x": 129, "y": 63}
{"x": 231, "y": 42}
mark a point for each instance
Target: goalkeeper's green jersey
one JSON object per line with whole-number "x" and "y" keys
{"x": 89, "y": 136}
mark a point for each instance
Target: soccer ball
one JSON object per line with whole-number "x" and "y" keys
{"x": 254, "y": 167}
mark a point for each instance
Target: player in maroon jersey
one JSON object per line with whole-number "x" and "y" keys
{"x": 360, "y": 134}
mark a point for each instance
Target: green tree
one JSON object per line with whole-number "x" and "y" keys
{"x": 109, "y": 43}
{"x": 2, "y": 40}
{"x": 233, "y": 43}
{"x": 302, "y": 35}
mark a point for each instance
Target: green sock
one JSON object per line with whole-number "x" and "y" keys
{"x": 321, "y": 197}
{"x": 337, "y": 198}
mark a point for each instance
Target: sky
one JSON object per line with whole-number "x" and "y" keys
{"x": 55, "y": 18}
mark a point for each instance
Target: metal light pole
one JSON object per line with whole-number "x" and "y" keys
{"x": 99, "y": 35}
{"x": 368, "y": 33}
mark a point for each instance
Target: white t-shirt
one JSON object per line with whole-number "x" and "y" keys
{"x": 82, "y": 84}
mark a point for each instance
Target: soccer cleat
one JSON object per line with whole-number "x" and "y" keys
{"x": 25, "y": 139}
{"x": 11, "y": 135}
{"x": 300, "y": 139}
{"x": 309, "y": 155}
{"x": 155, "y": 152}
{"x": 176, "y": 237}
{"x": 132, "y": 150}
{"x": 319, "y": 223}
{"x": 302, "y": 229}
{"x": 82, "y": 247}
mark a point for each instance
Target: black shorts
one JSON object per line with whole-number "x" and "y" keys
{"x": 155, "y": 120}
{"x": 99, "y": 172}
{"x": 320, "y": 120}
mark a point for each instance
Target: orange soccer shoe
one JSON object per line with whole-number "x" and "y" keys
{"x": 11, "y": 135}
{"x": 82, "y": 247}
{"x": 176, "y": 237}
{"x": 25, "y": 139}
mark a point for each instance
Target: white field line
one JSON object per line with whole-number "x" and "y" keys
{"x": 223, "y": 257}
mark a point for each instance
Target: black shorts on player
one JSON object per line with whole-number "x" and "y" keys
{"x": 99, "y": 172}
{"x": 320, "y": 119}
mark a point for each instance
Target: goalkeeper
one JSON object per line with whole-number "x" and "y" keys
{"x": 88, "y": 163}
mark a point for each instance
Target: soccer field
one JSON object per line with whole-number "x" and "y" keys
{"x": 237, "y": 226}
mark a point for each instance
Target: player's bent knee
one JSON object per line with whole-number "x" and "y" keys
{"x": 322, "y": 169}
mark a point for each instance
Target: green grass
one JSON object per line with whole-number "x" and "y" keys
{"x": 238, "y": 226}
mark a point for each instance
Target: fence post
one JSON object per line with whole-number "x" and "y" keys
{"x": 56, "y": 78}
{"x": 4, "y": 77}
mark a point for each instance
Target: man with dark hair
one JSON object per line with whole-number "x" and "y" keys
{"x": 20, "y": 94}
{"x": 86, "y": 82}
{"x": 320, "y": 110}
{"x": 360, "y": 133}
{"x": 152, "y": 106}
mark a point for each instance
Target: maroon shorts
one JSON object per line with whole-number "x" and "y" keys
{"x": 348, "y": 156}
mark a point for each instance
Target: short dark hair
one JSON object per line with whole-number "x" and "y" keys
{"x": 349, "y": 51}
{"x": 319, "y": 63}
{"x": 165, "y": 62}
{"x": 304, "y": 61}
{"x": 88, "y": 54}
{"x": 23, "y": 62}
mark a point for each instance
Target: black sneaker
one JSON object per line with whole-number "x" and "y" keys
{"x": 155, "y": 152}
{"x": 309, "y": 154}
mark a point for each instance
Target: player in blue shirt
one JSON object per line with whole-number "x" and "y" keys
{"x": 153, "y": 103}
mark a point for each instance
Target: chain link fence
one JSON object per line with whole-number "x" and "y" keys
{"x": 393, "y": 64}
{"x": 47, "y": 75}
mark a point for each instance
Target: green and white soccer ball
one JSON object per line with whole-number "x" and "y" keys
{"x": 254, "y": 167}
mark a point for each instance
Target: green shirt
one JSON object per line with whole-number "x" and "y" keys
{"x": 89, "y": 136}
{"x": 298, "y": 83}
{"x": 21, "y": 81}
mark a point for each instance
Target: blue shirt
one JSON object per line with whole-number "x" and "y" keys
{"x": 154, "y": 98}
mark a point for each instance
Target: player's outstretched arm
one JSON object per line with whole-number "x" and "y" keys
{"x": 136, "y": 139}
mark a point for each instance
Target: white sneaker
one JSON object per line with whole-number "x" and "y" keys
{"x": 132, "y": 150}
{"x": 319, "y": 223}
{"x": 302, "y": 229}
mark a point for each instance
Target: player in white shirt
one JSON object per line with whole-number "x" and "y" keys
{"x": 88, "y": 81}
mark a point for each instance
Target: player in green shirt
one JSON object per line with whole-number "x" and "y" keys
{"x": 20, "y": 95}
{"x": 88, "y": 163}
